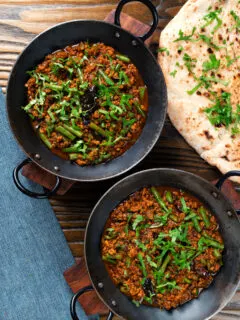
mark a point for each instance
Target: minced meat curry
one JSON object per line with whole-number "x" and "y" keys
{"x": 161, "y": 247}
{"x": 87, "y": 102}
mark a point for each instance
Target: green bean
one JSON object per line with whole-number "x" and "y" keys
{"x": 65, "y": 132}
{"x": 216, "y": 253}
{"x": 205, "y": 217}
{"x": 117, "y": 67}
{"x": 190, "y": 216}
{"x": 165, "y": 264}
{"x": 139, "y": 109}
{"x": 72, "y": 149}
{"x": 142, "y": 92}
{"x": 173, "y": 217}
{"x": 106, "y": 78}
{"x": 143, "y": 267}
{"x": 73, "y": 156}
{"x": 73, "y": 131}
{"x": 53, "y": 119}
{"x": 122, "y": 58}
{"x": 99, "y": 130}
{"x": 45, "y": 140}
{"x": 53, "y": 87}
{"x": 169, "y": 197}
{"x": 213, "y": 243}
{"x": 196, "y": 224}
{"x": 112, "y": 259}
{"x": 80, "y": 74}
{"x": 159, "y": 199}
{"x": 187, "y": 280}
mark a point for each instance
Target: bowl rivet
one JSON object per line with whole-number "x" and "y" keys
{"x": 117, "y": 35}
{"x": 100, "y": 285}
{"x": 37, "y": 156}
{"x": 134, "y": 43}
{"x": 56, "y": 168}
{"x": 229, "y": 213}
{"x": 114, "y": 303}
{"x": 215, "y": 195}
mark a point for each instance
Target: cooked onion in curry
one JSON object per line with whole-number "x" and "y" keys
{"x": 87, "y": 102}
{"x": 161, "y": 247}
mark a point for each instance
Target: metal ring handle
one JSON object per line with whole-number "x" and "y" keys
{"x": 74, "y": 301}
{"x": 150, "y": 6}
{"x": 29, "y": 193}
{"x": 234, "y": 173}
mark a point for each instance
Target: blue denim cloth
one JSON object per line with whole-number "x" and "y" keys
{"x": 33, "y": 250}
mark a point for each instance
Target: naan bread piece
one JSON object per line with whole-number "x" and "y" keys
{"x": 200, "y": 58}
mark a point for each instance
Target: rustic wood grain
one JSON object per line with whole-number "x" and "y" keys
{"x": 20, "y": 21}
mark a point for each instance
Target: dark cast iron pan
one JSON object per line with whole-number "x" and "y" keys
{"x": 212, "y": 299}
{"x": 69, "y": 33}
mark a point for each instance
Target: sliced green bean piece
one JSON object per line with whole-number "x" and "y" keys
{"x": 196, "y": 224}
{"x": 216, "y": 253}
{"x": 112, "y": 259}
{"x": 99, "y": 130}
{"x": 187, "y": 280}
{"x": 159, "y": 199}
{"x": 214, "y": 244}
{"x": 106, "y": 78}
{"x": 173, "y": 217}
{"x": 73, "y": 131}
{"x": 165, "y": 264}
{"x": 117, "y": 67}
{"x": 142, "y": 92}
{"x": 169, "y": 196}
{"x": 143, "y": 267}
{"x": 122, "y": 58}
{"x": 73, "y": 156}
{"x": 80, "y": 74}
{"x": 53, "y": 119}
{"x": 205, "y": 217}
{"x": 139, "y": 109}
{"x": 190, "y": 216}
{"x": 45, "y": 140}
{"x": 65, "y": 132}
{"x": 71, "y": 150}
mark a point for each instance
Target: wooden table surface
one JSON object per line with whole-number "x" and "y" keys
{"x": 20, "y": 21}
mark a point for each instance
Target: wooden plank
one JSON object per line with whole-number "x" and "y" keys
{"x": 77, "y": 248}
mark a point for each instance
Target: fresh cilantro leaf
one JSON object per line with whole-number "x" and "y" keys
{"x": 173, "y": 73}
{"x": 189, "y": 62}
{"x": 164, "y": 50}
{"x": 183, "y": 37}
{"x": 213, "y": 63}
{"x": 236, "y": 18}
{"x": 212, "y": 16}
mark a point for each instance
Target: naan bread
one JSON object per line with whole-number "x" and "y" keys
{"x": 218, "y": 144}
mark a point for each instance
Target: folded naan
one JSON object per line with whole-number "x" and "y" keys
{"x": 200, "y": 58}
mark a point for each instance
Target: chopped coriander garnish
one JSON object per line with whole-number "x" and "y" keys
{"x": 183, "y": 37}
{"x": 189, "y": 62}
{"x": 164, "y": 50}
{"x": 212, "y": 16}
{"x": 236, "y": 18}
{"x": 212, "y": 64}
{"x": 173, "y": 73}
